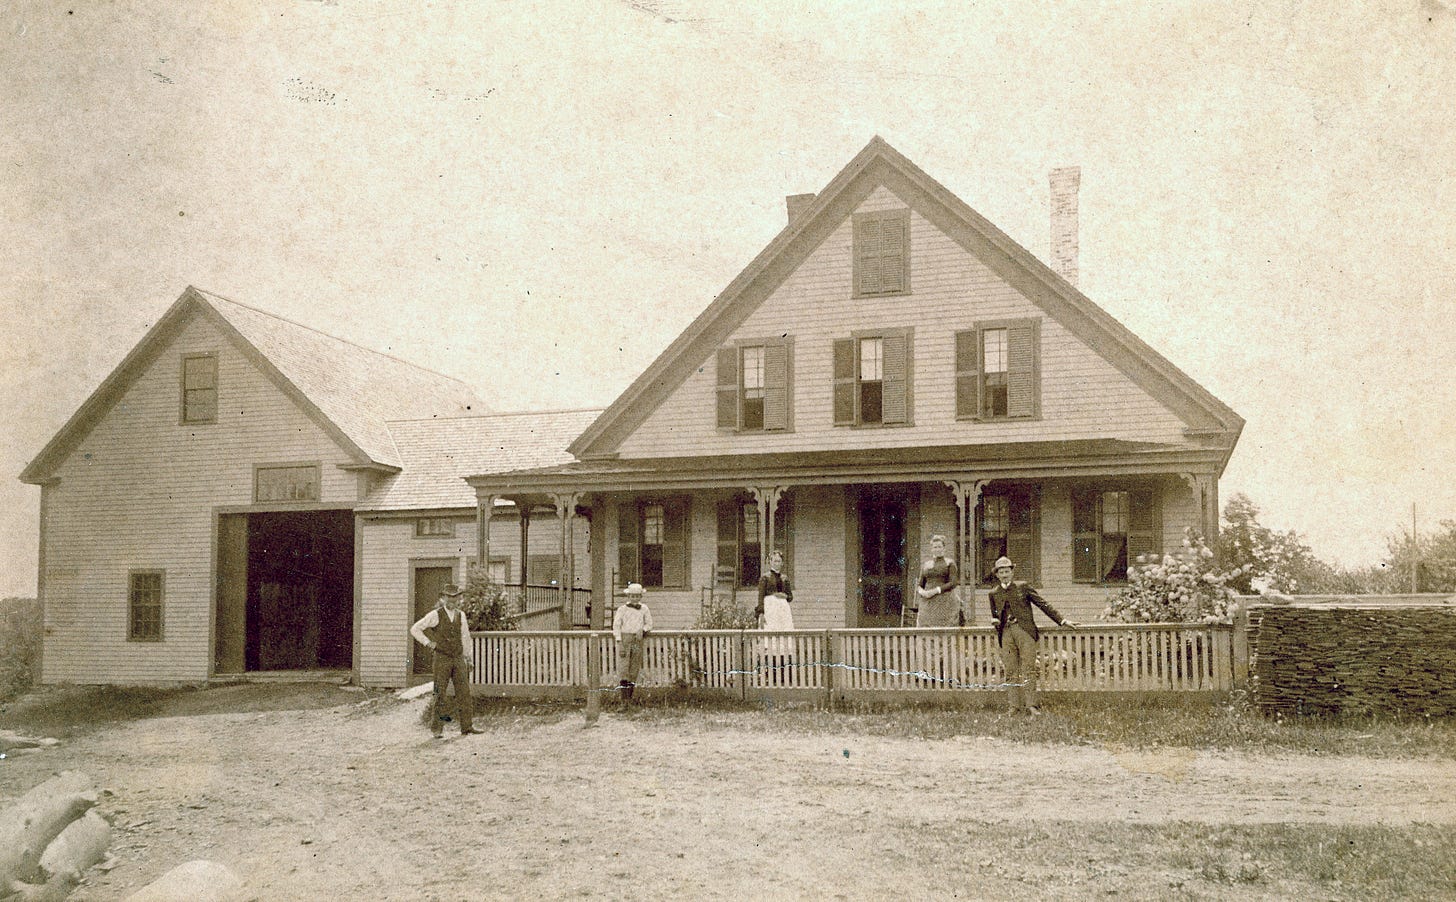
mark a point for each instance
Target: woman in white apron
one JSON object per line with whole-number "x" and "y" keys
{"x": 774, "y": 596}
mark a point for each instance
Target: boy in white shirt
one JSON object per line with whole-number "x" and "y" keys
{"x": 629, "y": 625}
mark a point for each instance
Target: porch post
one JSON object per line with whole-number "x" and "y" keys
{"x": 967, "y": 496}
{"x": 566, "y": 510}
{"x": 523, "y": 510}
{"x": 767, "y": 498}
{"x": 485, "y": 512}
{"x": 1205, "y": 495}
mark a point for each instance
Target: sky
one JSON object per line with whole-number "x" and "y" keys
{"x": 537, "y": 198}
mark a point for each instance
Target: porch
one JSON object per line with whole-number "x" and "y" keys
{"x": 835, "y": 665}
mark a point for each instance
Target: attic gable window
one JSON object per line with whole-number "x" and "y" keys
{"x": 872, "y": 378}
{"x": 754, "y": 382}
{"x": 882, "y": 253}
{"x": 199, "y": 388}
{"x": 998, "y": 371}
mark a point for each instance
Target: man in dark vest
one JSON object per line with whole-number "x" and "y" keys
{"x": 1011, "y": 611}
{"x": 445, "y": 631}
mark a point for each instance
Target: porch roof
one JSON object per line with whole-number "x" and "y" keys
{"x": 983, "y": 461}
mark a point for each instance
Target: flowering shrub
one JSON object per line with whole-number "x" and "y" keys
{"x": 722, "y": 613}
{"x": 1181, "y": 588}
{"x": 487, "y": 604}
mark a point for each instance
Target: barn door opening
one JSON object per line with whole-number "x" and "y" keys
{"x": 285, "y": 595}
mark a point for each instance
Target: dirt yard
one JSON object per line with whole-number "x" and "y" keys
{"x": 355, "y": 801}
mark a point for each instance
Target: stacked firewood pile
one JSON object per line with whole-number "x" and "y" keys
{"x": 1353, "y": 660}
{"x": 49, "y": 838}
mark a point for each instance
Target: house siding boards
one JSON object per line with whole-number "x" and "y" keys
{"x": 1083, "y": 395}
{"x": 389, "y": 551}
{"x": 138, "y": 491}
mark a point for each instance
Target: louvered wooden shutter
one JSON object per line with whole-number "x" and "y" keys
{"x": 784, "y": 534}
{"x": 776, "y": 367}
{"x": 968, "y": 373}
{"x": 1022, "y": 534}
{"x": 675, "y": 544}
{"x": 729, "y": 512}
{"x": 844, "y": 382}
{"x": 896, "y": 382}
{"x": 880, "y": 253}
{"x": 1085, "y": 536}
{"x": 1021, "y": 368}
{"x": 628, "y": 550}
{"x": 1143, "y": 526}
{"x": 727, "y": 388}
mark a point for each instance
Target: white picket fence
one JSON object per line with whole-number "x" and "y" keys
{"x": 1167, "y": 657}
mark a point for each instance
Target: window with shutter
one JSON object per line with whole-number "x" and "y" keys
{"x": 753, "y": 385}
{"x": 1111, "y": 528}
{"x": 998, "y": 370}
{"x": 882, "y": 253}
{"x": 872, "y": 378}
{"x": 652, "y": 543}
{"x": 1009, "y": 523}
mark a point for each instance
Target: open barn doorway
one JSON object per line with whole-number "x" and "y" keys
{"x": 285, "y": 598}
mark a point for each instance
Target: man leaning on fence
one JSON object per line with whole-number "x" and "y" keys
{"x": 446, "y": 632}
{"x": 1011, "y": 611}
{"x": 629, "y": 625}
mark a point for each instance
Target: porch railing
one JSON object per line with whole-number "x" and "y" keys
{"x": 852, "y": 662}
{"x": 538, "y": 607}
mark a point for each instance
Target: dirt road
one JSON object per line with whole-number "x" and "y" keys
{"x": 356, "y": 802}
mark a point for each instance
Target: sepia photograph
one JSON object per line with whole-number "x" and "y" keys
{"x": 690, "y": 449}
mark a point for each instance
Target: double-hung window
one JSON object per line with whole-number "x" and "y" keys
{"x": 872, "y": 374}
{"x": 740, "y": 539}
{"x": 652, "y": 543}
{"x": 1111, "y": 529}
{"x": 998, "y": 371}
{"x": 144, "y": 605}
{"x": 199, "y": 388}
{"x": 1008, "y": 525}
{"x": 754, "y": 380}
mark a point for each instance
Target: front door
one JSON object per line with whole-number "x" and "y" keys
{"x": 429, "y": 581}
{"x": 882, "y": 518}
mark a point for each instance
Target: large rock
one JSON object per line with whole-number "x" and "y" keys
{"x": 38, "y": 817}
{"x": 79, "y": 846}
{"x": 195, "y": 881}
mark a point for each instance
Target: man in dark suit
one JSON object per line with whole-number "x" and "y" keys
{"x": 1016, "y": 631}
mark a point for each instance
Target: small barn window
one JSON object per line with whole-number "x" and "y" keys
{"x": 293, "y": 482}
{"x": 144, "y": 606}
{"x": 199, "y": 388}
{"x": 434, "y": 527}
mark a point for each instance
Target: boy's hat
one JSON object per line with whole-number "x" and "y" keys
{"x": 634, "y": 589}
{"x": 1003, "y": 562}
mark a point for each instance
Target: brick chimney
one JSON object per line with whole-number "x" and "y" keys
{"x": 1065, "y": 182}
{"x": 798, "y": 203}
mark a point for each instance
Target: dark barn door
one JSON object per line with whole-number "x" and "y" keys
{"x": 882, "y": 519}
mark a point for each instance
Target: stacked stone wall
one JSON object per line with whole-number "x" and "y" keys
{"x": 1353, "y": 660}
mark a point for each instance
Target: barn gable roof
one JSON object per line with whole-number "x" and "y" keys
{"x": 876, "y": 165}
{"x": 350, "y": 391}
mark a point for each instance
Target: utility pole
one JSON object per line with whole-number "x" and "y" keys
{"x": 1415, "y": 554}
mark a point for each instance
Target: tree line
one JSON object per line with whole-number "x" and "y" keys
{"x": 1283, "y": 562}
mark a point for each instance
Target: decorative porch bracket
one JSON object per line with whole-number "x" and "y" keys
{"x": 967, "y": 496}
{"x": 767, "y": 498}
{"x": 1205, "y": 494}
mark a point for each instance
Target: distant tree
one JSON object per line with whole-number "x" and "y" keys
{"x": 1277, "y": 561}
{"x": 1435, "y": 554}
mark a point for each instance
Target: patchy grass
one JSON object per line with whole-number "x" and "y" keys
{"x": 69, "y": 711}
{"x": 1168, "y": 722}
{"x": 1197, "y": 861}
{"x": 20, "y": 624}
